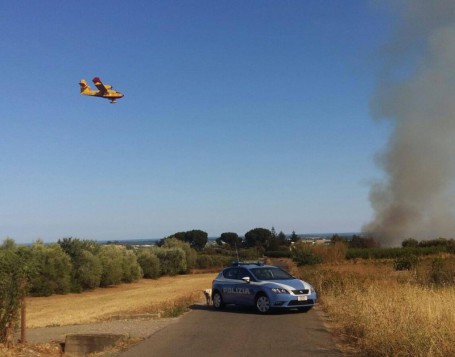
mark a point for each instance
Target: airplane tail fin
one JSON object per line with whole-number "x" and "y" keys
{"x": 84, "y": 86}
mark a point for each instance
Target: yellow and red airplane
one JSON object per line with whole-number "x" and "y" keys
{"x": 104, "y": 90}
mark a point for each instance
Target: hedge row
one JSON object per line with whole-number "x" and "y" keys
{"x": 74, "y": 265}
{"x": 392, "y": 253}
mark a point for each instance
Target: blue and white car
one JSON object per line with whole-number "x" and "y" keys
{"x": 264, "y": 286}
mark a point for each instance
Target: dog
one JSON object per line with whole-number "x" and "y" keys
{"x": 208, "y": 295}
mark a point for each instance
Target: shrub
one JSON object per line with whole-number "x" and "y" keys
{"x": 13, "y": 274}
{"x": 111, "y": 259}
{"x": 406, "y": 262}
{"x": 190, "y": 253}
{"x": 53, "y": 270}
{"x": 172, "y": 260}
{"x": 362, "y": 242}
{"x": 278, "y": 254}
{"x": 204, "y": 261}
{"x": 442, "y": 272}
{"x": 303, "y": 254}
{"x": 131, "y": 269}
{"x": 392, "y": 253}
{"x": 85, "y": 261}
{"x": 253, "y": 253}
{"x": 333, "y": 253}
{"x": 149, "y": 263}
{"x": 410, "y": 242}
{"x": 87, "y": 274}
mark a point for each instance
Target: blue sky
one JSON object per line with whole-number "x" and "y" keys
{"x": 236, "y": 115}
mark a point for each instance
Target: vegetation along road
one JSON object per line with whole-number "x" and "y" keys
{"x": 240, "y": 332}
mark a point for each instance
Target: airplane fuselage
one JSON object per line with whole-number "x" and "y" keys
{"x": 111, "y": 95}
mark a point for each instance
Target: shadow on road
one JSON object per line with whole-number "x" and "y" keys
{"x": 235, "y": 309}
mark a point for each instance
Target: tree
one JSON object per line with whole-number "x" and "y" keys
{"x": 360, "y": 242}
{"x": 410, "y": 242}
{"x": 273, "y": 232}
{"x": 294, "y": 237}
{"x": 8, "y": 243}
{"x": 197, "y": 238}
{"x": 87, "y": 273}
{"x": 111, "y": 259}
{"x": 149, "y": 263}
{"x": 131, "y": 269}
{"x": 282, "y": 240}
{"x": 258, "y": 237}
{"x": 74, "y": 246}
{"x": 337, "y": 239}
{"x": 178, "y": 235}
{"x": 190, "y": 253}
{"x": 53, "y": 270}
{"x": 14, "y": 272}
{"x": 85, "y": 261}
{"x": 232, "y": 239}
{"x": 273, "y": 243}
{"x": 172, "y": 260}
{"x": 304, "y": 254}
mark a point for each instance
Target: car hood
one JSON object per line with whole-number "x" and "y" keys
{"x": 291, "y": 284}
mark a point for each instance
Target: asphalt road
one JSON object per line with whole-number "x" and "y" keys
{"x": 204, "y": 332}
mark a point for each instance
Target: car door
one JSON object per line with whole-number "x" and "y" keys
{"x": 244, "y": 291}
{"x": 229, "y": 285}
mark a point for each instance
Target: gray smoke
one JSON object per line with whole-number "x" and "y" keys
{"x": 416, "y": 94}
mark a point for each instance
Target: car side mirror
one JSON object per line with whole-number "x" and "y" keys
{"x": 246, "y": 279}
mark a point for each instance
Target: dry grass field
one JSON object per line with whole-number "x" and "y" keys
{"x": 381, "y": 312}
{"x": 144, "y": 296}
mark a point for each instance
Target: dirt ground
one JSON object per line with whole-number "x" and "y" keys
{"x": 133, "y": 328}
{"x": 45, "y": 341}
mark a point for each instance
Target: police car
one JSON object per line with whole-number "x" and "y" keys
{"x": 264, "y": 286}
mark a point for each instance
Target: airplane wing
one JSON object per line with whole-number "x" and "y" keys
{"x": 101, "y": 87}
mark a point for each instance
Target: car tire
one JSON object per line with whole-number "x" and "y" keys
{"x": 262, "y": 304}
{"x": 305, "y": 309}
{"x": 217, "y": 299}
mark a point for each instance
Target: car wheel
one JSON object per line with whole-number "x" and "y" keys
{"x": 305, "y": 309}
{"x": 263, "y": 304}
{"x": 217, "y": 300}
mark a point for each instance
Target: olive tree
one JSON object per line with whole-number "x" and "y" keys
{"x": 14, "y": 271}
{"x": 131, "y": 269}
{"x": 53, "y": 270}
{"x": 111, "y": 259}
{"x": 85, "y": 261}
{"x": 118, "y": 265}
{"x": 172, "y": 260}
{"x": 88, "y": 272}
{"x": 190, "y": 253}
{"x": 149, "y": 263}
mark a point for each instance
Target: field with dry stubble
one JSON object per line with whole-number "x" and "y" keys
{"x": 144, "y": 296}
{"x": 378, "y": 311}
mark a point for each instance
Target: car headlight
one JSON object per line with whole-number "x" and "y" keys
{"x": 280, "y": 291}
{"x": 312, "y": 290}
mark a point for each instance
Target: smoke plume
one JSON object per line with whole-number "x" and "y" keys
{"x": 416, "y": 94}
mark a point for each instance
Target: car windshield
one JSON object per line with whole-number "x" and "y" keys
{"x": 267, "y": 273}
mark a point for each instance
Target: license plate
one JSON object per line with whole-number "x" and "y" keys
{"x": 302, "y": 298}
